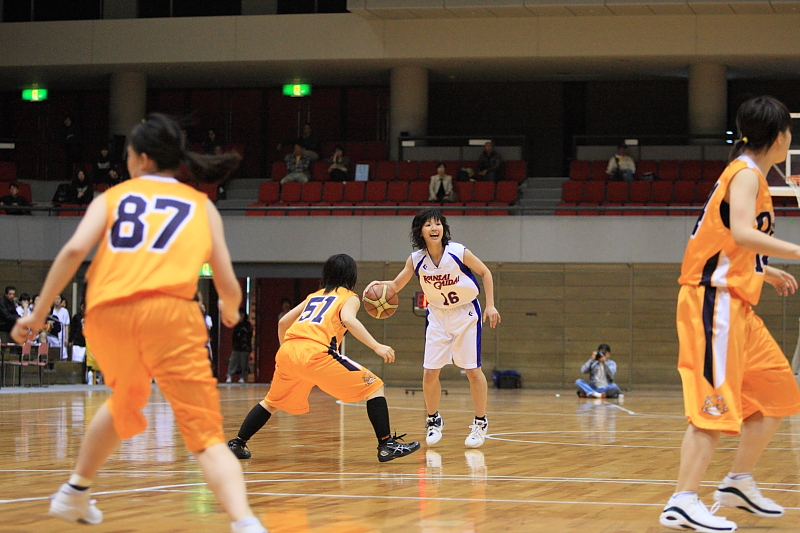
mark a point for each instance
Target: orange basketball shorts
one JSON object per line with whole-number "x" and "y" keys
{"x": 301, "y": 364}
{"x": 161, "y": 337}
{"x": 730, "y": 365}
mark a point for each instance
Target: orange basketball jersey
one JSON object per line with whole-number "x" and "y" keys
{"x": 157, "y": 238}
{"x": 712, "y": 258}
{"x": 320, "y": 321}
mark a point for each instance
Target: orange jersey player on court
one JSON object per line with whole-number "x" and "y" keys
{"x": 152, "y": 234}
{"x": 734, "y": 375}
{"x": 308, "y": 356}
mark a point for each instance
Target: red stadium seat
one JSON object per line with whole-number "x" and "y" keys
{"x": 640, "y": 191}
{"x": 661, "y": 192}
{"x": 599, "y": 170}
{"x": 669, "y": 170}
{"x": 333, "y": 192}
{"x": 269, "y": 192}
{"x": 376, "y": 191}
{"x": 356, "y": 151}
{"x": 428, "y": 169}
{"x": 483, "y": 191}
{"x": 580, "y": 170}
{"x": 418, "y": 192}
{"x": 507, "y": 191}
{"x": 375, "y": 150}
{"x": 397, "y": 192}
{"x": 645, "y": 167}
{"x": 311, "y": 192}
{"x": 702, "y": 191}
{"x": 571, "y": 192}
{"x": 515, "y": 170}
{"x": 617, "y": 192}
{"x": 464, "y": 190}
{"x": 319, "y": 171}
{"x": 712, "y": 170}
{"x": 386, "y": 170}
{"x": 210, "y": 190}
{"x": 594, "y": 192}
{"x": 290, "y": 192}
{"x": 408, "y": 170}
{"x": 691, "y": 170}
{"x": 683, "y": 193}
{"x": 278, "y": 170}
{"x": 354, "y": 191}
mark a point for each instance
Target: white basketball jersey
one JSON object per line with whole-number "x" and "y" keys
{"x": 450, "y": 283}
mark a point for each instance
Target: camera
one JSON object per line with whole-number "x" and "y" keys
{"x": 600, "y": 354}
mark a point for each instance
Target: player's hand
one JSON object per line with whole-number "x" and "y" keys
{"x": 26, "y": 328}
{"x": 229, "y": 318}
{"x": 371, "y": 283}
{"x": 386, "y": 353}
{"x": 491, "y": 313}
{"x": 784, "y": 283}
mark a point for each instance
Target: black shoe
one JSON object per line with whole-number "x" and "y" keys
{"x": 392, "y": 449}
{"x": 239, "y": 448}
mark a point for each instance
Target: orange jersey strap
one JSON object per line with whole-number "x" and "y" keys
{"x": 156, "y": 239}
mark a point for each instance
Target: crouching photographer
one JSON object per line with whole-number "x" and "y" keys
{"x": 601, "y": 370}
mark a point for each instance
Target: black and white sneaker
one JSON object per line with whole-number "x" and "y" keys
{"x": 744, "y": 494}
{"x": 433, "y": 429}
{"x": 239, "y": 448}
{"x": 688, "y": 512}
{"x": 392, "y": 449}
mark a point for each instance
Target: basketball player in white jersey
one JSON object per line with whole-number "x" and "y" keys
{"x": 446, "y": 272}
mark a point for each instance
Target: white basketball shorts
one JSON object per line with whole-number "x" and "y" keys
{"x": 453, "y": 336}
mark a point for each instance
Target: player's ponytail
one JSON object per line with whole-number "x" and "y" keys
{"x": 758, "y": 123}
{"x": 162, "y": 139}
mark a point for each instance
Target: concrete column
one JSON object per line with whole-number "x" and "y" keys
{"x": 127, "y": 101}
{"x": 408, "y": 104}
{"x": 708, "y": 98}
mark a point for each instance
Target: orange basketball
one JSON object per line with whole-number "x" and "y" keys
{"x": 380, "y": 301}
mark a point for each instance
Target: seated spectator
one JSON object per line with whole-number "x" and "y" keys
{"x": 81, "y": 191}
{"x": 24, "y": 305}
{"x": 297, "y": 164}
{"x": 621, "y": 167}
{"x": 441, "y": 186}
{"x": 114, "y": 178}
{"x": 211, "y": 143}
{"x": 310, "y": 143}
{"x": 14, "y": 202}
{"x": 8, "y": 313}
{"x": 77, "y": 341}
{"x": 101, "y": 167}
{"x": 489, "y": 163}
{"x": 601, "y": 370}
{"x": 338, "y": 171}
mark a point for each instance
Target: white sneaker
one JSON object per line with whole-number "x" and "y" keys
{"x": 433, "y": 427}
{"x": 744, "y": 494}
{"x": 75, "y": 506}
{"x": 241, "y": 380}
{"x": 228, "y": 380}
{"x": 478, "y": 434}
{"x": 689, "y": 512}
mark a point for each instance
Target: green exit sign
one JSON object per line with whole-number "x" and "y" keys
{"x": 34, "y": 95}
{"x": 297, "y": 89}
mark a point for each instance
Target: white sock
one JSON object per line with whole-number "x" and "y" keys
{"x": 739, "y": 477}
{"x": 680, "y": 495}
{"x": 240, "y": 525}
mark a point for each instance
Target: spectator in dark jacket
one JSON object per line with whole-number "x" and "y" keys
{"x": 489, "y": 163}
{"x": 14, "y": 202}
{"x": 239, "y": 363}
{"x": 8, "y": 313}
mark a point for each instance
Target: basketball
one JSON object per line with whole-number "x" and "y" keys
{"x": 380, "y": 301}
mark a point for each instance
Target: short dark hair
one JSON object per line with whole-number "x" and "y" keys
{"x": 13, "y": 184}
{"x": 24, "y": 296}
{"x": 604, "y": 348}
{"x": 441, "y": 164}
{"x": 417, "y": 240}
{"x": 338, "y": 147}
{"x": 10, "y": 288}
{"x": 340, "y": 270}
{"x": 758, "y": 123}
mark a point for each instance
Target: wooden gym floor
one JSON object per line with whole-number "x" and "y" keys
{"x": 552, "y": 464}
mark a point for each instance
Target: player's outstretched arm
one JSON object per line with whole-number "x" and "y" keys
{"x": 288, "y": 319}
{"x": 397, "y": 283}
{"x": 477, "y": 266}
{"x": 87, "y": 234}
{"x": 783, "y": 282}
{"x": 230, "y": 293}
{"x": 357, "y": 329}
{"x": 742, "y": 193}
